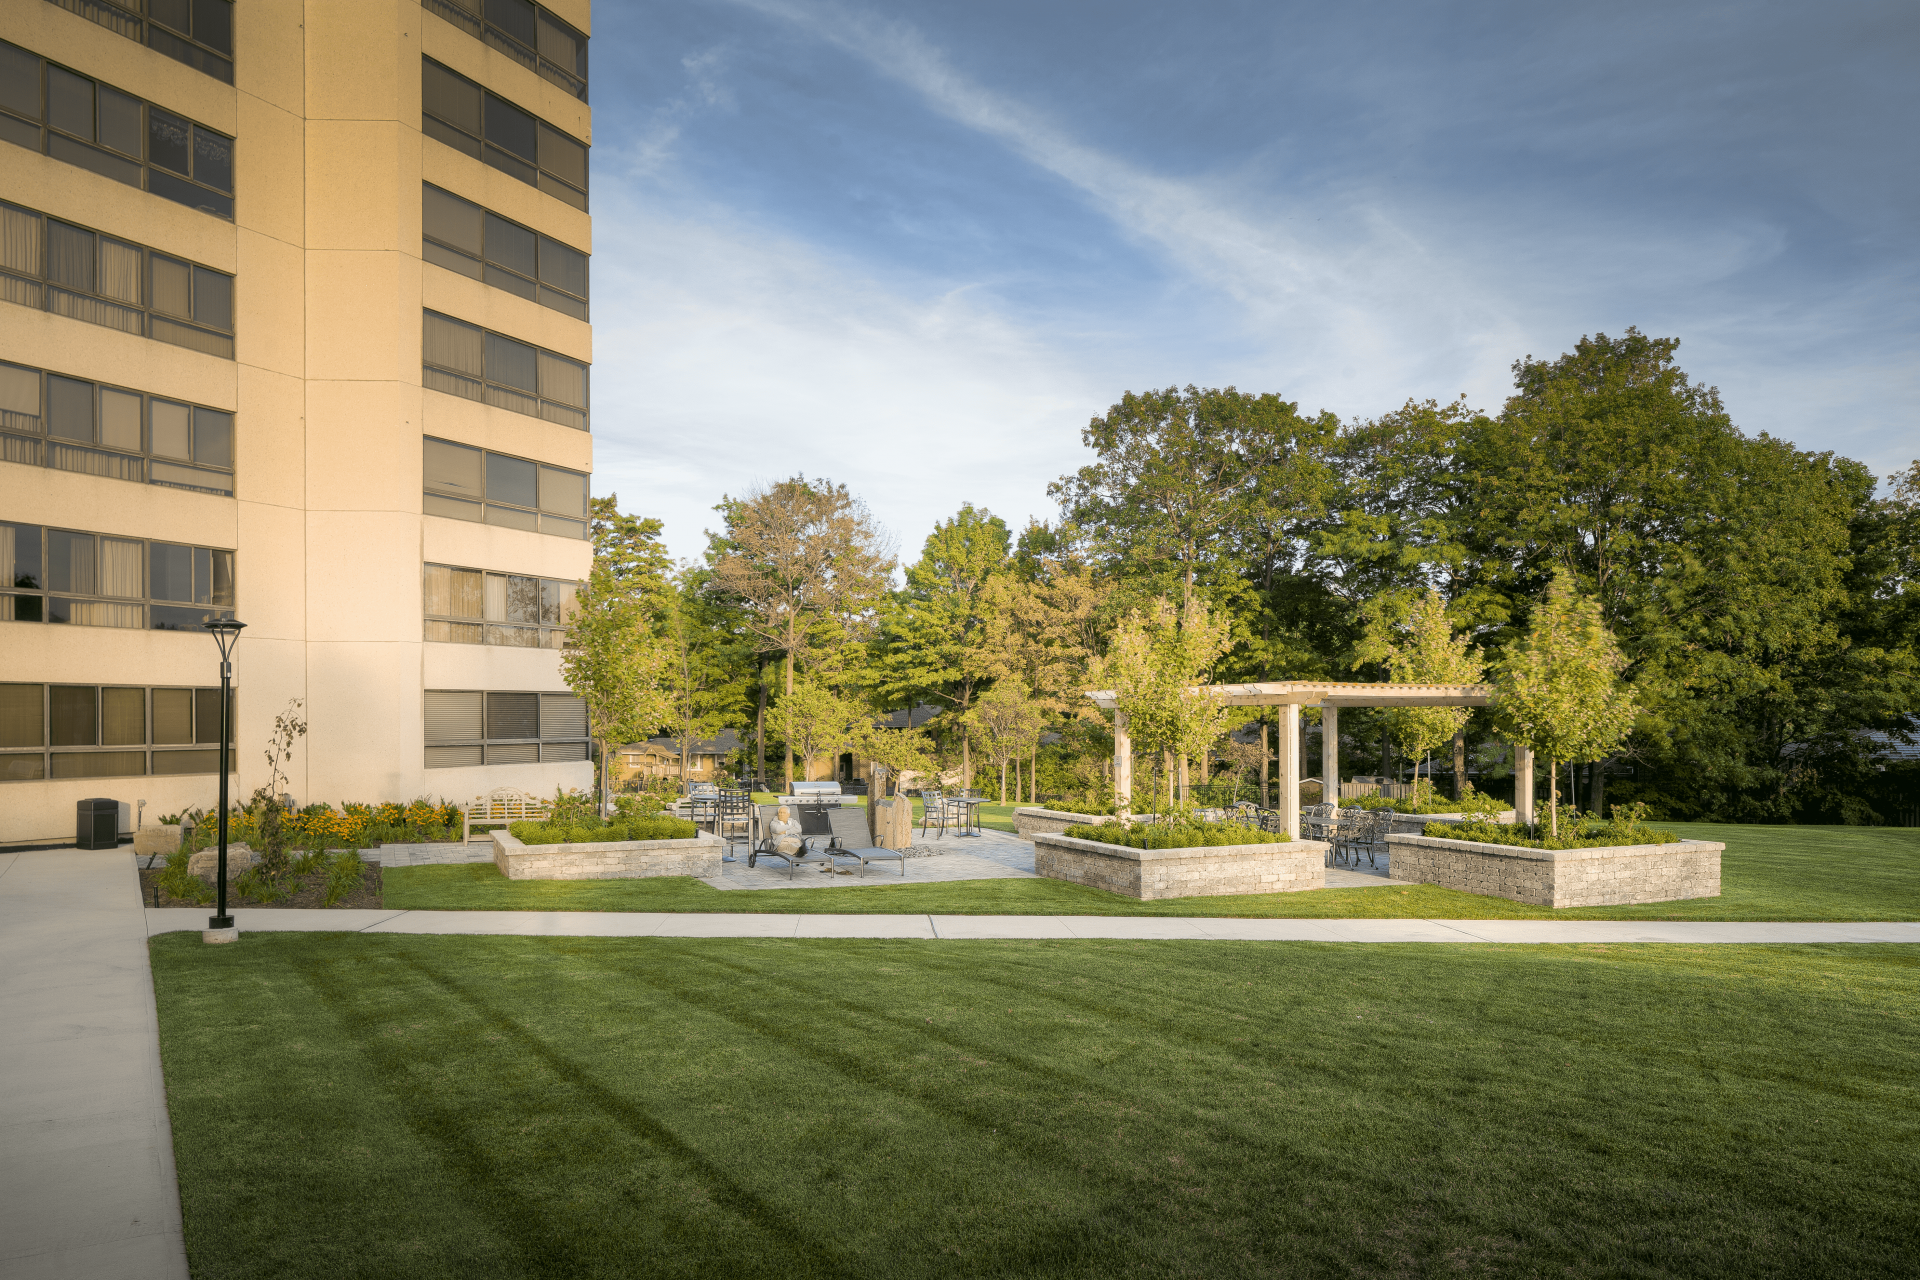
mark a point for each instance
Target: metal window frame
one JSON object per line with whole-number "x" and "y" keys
{"x": 482, "y": 150}
{"x": 455, "y": 383}
{"x": 39, "y": 440}
{"x": 151, "y": 321}
{"x": 532, "y": 59}
{"x": 585, "y": 520}
{"x": 222, "y": 206}
{"x": 47, "y": 751}
{"x": 128, "y": 18}
{"x": 146, "y": 600}
{"x": 484, "y": 742}
{"x": 585, "y": 300}
{"x": 483, "y": 622}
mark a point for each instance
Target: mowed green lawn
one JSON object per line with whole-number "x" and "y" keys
{"x": 350, "y": 1105}
{"x": 1767, "y": 873}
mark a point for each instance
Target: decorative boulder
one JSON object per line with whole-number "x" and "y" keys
{"x": 206, "y": 863}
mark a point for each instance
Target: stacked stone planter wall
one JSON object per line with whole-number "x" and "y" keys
{"x": 1028, "y": 823}
{"x": 1614, "y": 875}
{"x": 1183, "y": 873}
{"x": 612, "y": 860}
{"x": 1413, "y": 824}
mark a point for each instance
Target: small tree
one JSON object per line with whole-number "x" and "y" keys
{"x": 1156, "y": 667}
{"x": 1008, "y": 724}
{"x": 1417, "y": 646}
{"x": 1559, "y": 688}
{"x": 816, "y": 721}
{"x": 613, "y": 657}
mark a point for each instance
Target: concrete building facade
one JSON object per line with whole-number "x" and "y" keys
{"x": 294, "y": 327}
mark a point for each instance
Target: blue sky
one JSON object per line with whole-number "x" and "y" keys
{"x": 916, "y": 247}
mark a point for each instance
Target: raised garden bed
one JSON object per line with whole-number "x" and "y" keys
{"x": 1194, "y": 872}
{"x": 1031, "y": 821}
{"x": 696, "y": 855}
{"x": 1604, "y": 876}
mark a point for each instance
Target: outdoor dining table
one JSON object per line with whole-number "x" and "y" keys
{"x": 969, "y": 813}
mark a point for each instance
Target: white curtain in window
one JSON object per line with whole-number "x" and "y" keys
{"x": 436, "y": 581}
{"x": 467, "y": 593}
{"x": 496, "y": 598}
{"x": 119, "y": 420}
{"x": 119, "y": 271}
{"x": 101, "y": 613}
{"x": 169, "y": 429}
{"x": 19, "y": 240}
{"x": 123, "y": 568}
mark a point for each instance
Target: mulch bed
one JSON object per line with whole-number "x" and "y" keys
{"x": 308, "y": 891}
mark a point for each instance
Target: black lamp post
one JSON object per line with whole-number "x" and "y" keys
{"x": 226, "y": 633}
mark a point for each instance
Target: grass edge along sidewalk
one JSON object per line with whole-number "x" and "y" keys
{"x": 400, "y": 1105}
{"x": 1767, "y": 873}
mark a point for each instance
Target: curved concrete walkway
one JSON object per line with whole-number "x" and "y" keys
{"x": 657, "y": 924}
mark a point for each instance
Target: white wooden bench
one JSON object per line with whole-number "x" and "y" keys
{"x": 504, "y": 805}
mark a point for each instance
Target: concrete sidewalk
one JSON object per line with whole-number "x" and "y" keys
{"x": 87, "y": 1184}
{"x": 656, "y": 924}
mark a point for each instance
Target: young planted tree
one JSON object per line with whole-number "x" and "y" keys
{"x": 1157, "y": 668}
{"x": 804, "y": 563}
{"x": 1559, "y": 688}
{"x": 1008, "y": 723}
{"x": 1415, "y": 642}
{"x": 614, "y": 658}
{"x": 816, "y": 721}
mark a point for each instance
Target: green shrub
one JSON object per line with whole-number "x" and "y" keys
{"x": 598, "y": 831}
{"x": 343, "y": 875}
{"x": 1426, "y": 800}
{"x": 1186, "y": 835}
{"x": 1582, "y": 833}
{"x": 180, "y": 883}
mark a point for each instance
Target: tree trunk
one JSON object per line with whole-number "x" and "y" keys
{"x": 1460, "y": 764}
{"x": 1553, "y": 798}
{"x": 1033, "y": 774}
{"x": 1385, "y": 747}
{"x": 1597, "y": 789}
{"x": 760, "y": 729}
{"x": 786, "y": 756}
{"x": 1186, "y": 791}
{"x": 1003, "y": 781}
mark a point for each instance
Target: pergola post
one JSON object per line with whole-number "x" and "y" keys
{"x": 1122, "y": 764}
{"x": 1330, "y": 755}
{"x": 1290, "y": 764}
{"x": 1522, "y": 782}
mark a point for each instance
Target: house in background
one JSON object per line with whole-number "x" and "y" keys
{"x": 660, "y": 758}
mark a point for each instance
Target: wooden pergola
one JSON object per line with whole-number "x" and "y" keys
{"x": 1329, "y": 696}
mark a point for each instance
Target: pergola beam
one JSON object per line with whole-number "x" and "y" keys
{"x": 1329, "y": 696}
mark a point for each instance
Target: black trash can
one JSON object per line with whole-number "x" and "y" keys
{"x": 98, "y": 825}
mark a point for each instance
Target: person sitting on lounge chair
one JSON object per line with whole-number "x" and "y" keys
{"x": 785, "y": 832}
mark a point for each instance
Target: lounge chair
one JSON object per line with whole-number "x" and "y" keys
{"x": 850, "y": 838}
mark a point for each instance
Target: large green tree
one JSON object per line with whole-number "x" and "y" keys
{"x": 933, "y": 635}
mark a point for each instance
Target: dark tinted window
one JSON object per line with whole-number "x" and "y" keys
{"x": 169, "y": 141}
{"x": 212, "y": 298}
{"x": 515, "y": 17}
{"x": 510, "y": 245}
{"x": 172, "y": 568}
{"x": 513, "y": 715}
{"x": 212, "y": 437}
{"x": 511, "y": 480}
{"x": 19, "y": 81}
{"x": 70, "y": 408}
{"x": 69, "y": 102}
{"x": 511, "y": 129}
{"x": 213, "y": 159}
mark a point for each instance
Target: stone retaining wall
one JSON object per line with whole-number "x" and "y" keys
{"x": 608, "y": 860}
{"x": 1028, "y": 823}
{"x": 1613, "y": 875}
{"x": 1183, "y": 873}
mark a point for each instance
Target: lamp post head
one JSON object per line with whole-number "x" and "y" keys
{"x": 225, "y": 632}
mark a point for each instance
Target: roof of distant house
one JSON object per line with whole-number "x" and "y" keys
{"x": 723, "y": 743}
{"x": 900, "y": 719}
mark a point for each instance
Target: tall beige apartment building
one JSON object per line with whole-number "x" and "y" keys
{"x": 294, "y": 328}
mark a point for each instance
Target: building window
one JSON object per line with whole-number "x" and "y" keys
{"x": 69, "y": 424}
{"x": 461, "y": 236}
{"x": 47, "y": 108}
{"x": 55, "y": 266}
{"x": 96, "y": 580}
{"x": 463, "y": 359}
{"x": 525, "y": 32}
{"x": 471, "y": 606}
{"x": 465, "y": 483}
{"x": 489, "y": 128}
{"x": 469, "y": 727}
{"x": 196, "y": 32}
{"x": 108, "y": 731}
